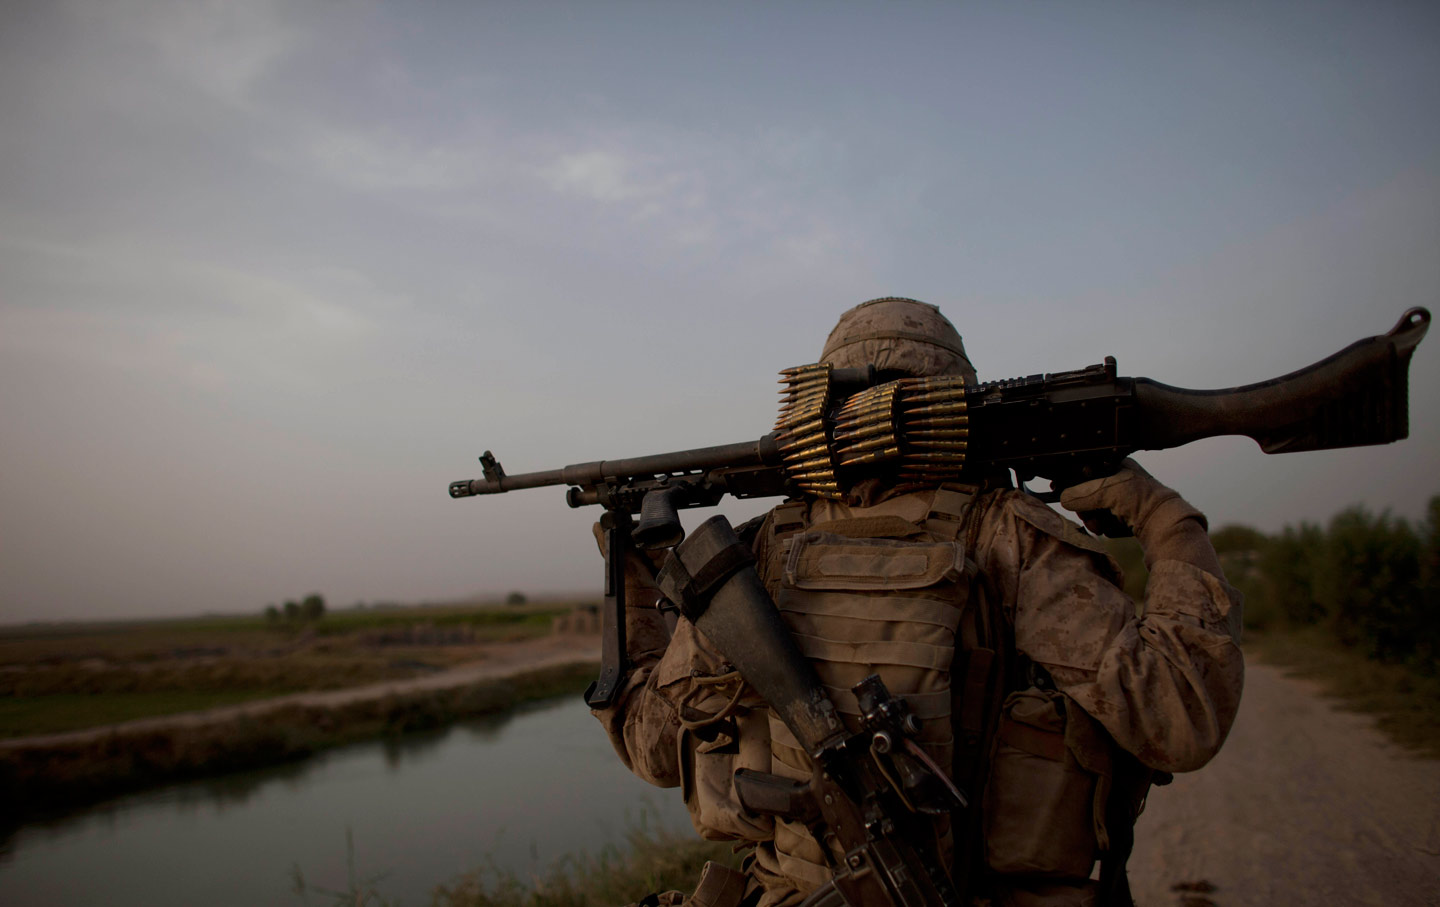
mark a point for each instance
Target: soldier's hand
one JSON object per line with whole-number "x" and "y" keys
{"x": 1132, "y": 495}
{"x": 640, "y": 569}
{"x": 1167, "y": 527}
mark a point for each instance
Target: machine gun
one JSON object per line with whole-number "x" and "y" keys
{"x": 838, "y": 426}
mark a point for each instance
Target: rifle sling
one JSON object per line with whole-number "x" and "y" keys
{"x": 695, "y": 595}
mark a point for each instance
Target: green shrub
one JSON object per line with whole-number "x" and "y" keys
{"x": 1286, "y": 566}
{"x": 1367, "y": 583}
{"x": 653, "y": 859}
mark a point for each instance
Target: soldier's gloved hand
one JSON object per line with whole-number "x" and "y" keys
{"x": 640, "y": 569}
{"x": 1166, "y": 525}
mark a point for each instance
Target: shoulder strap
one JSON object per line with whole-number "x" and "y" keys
{"x": 982, "y": 663}
{"x": 949, "y": 509}
{"x": 790, "y": 518}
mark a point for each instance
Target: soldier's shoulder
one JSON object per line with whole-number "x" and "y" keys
{"x": 1041, "y": 516}
{"x": 748, "y": 530}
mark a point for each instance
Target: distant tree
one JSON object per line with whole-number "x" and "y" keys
{"x": 292, "y": 612}
{"x": 1234, "y": 538}
{"x": 1287, "y": 567}
{"x": 272, "y": 615}
{"x": 312, "y": 608}
{"x": 1372, "y": 582}
{"x": 1427, "y": 648}
{"x": 1239, "y": 548}
{"x": 1368, "y": 582}
{"x": 516, "y": 598}
{"x": 1130, "y": 558}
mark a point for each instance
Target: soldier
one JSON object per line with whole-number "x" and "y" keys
{"x": 1040, "y": 683}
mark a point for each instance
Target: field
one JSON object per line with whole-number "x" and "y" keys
{"x": 61, "y": 677}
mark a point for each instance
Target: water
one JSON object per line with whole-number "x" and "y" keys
{"x": 521, "y": 790}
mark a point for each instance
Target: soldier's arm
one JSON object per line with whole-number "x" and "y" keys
{"x": 1165, "y": 683}
{"x": 644, "y": 722}
{"x": 641, "y": 725}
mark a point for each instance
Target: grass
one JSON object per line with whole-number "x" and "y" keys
{"x": 70, "y": 676}
{"x": 26, "y": 715}
{"x": 652, "y": 859}
{"x": 143, "y": 640}
{"x": 1404, "y": 701}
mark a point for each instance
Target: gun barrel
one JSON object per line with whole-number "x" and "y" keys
{"x": 742, "y": 455}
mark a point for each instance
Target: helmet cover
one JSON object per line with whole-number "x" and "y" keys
{"x": 898, "y": 335}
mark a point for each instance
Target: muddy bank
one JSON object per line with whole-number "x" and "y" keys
{"x": 51, "y": 773}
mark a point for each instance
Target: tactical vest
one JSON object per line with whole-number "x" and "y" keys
{"x": 876, "y": 590}
{"x": 893, "y": 589}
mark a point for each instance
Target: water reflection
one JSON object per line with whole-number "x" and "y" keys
{"x": 518, "y": 790}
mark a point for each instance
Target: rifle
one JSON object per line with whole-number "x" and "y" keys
{"x": 838, "y": 426}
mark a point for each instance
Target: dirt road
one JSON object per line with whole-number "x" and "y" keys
{"x": 1306, "y": 804}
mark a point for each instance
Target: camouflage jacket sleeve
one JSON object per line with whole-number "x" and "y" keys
{"x": 641, "y": 725}
{"x": 1164, "y": 679}
{"x": 644, "y": 723}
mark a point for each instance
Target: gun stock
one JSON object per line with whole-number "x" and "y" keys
{"x": 1354, "y": 398}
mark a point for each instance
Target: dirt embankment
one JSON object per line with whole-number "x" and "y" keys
{"x": 47, "y": 774}
{"x": 500, "y": 659}
{"x": 1306, "y": 804}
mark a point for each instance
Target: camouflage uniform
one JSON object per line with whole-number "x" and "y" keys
{"x": 1162, "y": 687}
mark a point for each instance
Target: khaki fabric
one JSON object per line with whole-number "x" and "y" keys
{"x": 1166, "y": 683}
{"x": 1044, "y": 804}
{"x": 719, "y": 886}
{"x": 1167, "y": 527}
{"x": 897, "y": 334}
{"x": 858, "y": 606}
{"x": 1162, "y": 679}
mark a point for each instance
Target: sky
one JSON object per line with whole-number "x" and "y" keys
{"x": 272, "y": 274}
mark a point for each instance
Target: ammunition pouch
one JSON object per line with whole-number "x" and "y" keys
{"x": 723, "y": 728}
{"x": 1050, "y": 781}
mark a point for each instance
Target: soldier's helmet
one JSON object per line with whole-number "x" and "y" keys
{"x": 900, "y": 337}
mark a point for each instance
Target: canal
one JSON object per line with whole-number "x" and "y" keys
{"x": 517, "y": 792}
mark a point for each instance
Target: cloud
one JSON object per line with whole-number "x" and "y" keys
{"x": 764, "y": 197}
{"x": 603, "y": 176}
{"x": 222, "y": 47}
{"x": 384, "y": 162}
{"x": 125, "y": 307}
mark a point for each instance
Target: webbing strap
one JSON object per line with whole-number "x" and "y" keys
{"x": 974, "y": 698}
{"x": 986, "y": 648}
{"x": 948, "y": 509}
{"x": 1046, "y": 744}
{"x": 923, "y": 705}
{"x": 701, "y": 586}
{"x": 870, "y": 527}
{"x": 908, "y": 654}
{"x": 877, "y": 608}
{"x": 789, "y": 518}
